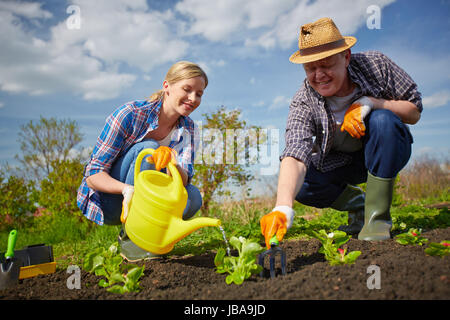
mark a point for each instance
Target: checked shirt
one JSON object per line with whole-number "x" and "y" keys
{"x": 311, "y": 124}
{"x": 128, "y": 125}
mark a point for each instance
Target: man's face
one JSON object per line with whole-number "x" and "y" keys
{"x": 328, "y": 76}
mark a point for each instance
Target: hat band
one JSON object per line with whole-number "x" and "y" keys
{"x": 322, "y": 47}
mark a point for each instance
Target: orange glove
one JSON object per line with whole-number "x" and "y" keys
{"x": 162, "y": 156}
{"x": 354, "y": 117}
{"x": 273, "y": 223}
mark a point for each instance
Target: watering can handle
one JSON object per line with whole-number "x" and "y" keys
{"x": 171, "y": 167}
{"x": 137, "y": 165}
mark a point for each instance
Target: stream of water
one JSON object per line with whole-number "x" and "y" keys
{"x": 225, "y": 239}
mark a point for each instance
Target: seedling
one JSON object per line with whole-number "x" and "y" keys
{"x": 331, "y": 243}
{"x": 412, "y": 237}
{"x": 441, "y": 249}
{"x": 108, "y": 263}
{"x": 244, "y": 265}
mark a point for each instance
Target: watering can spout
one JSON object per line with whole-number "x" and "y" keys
{"x": 180, "y": 228}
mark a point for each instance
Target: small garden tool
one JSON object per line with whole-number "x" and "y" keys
{"x": 274, "y": 249}
{"x": 37, "y": 259}
{"x": 10, "y": 269}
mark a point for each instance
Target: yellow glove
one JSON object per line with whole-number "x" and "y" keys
{"x": 354, "y": 117}
{"x": 162, "y": 156}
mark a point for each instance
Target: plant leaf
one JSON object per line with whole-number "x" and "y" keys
{"x": 235, "y": 242}
{"x": 116, "y": 289}
{"x": 135, "y": 273}
{"x": 218, "y": 259}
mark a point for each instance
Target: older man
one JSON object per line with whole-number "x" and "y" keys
{"x": 346, "y": 126}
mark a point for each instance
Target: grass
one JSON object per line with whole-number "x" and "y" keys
{"x": 423, "y": 183}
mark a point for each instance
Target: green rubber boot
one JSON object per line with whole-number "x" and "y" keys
{"x": 377, "y": 217}
{"x": 131, "y": 252}
{"x": 351, "y": 200}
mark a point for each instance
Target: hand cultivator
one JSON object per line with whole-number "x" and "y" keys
{"x": 272, "y": 252}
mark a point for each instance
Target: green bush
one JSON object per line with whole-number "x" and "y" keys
{"x": 16, "y": 201}
{"x": 58, "y": 192}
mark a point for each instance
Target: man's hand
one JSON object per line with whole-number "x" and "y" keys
{"x": 161, "y": 157}
{"x": 276, "y": 223}
{"x": 354, "y": 117}
{"x": 127, "y": 193}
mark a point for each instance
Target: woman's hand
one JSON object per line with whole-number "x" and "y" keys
{"x": 162, "y": 156}
{"x": 127, "y": 193}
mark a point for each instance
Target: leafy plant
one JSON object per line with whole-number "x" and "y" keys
{"x": 108, "y": 263}
{"x": 331, "y": 243}
{"x": 441, "y": 249}
{"x": 412, "y": 237}
{"x": 242, "y": 267}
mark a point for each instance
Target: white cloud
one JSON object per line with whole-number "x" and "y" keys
{"x": 268, "y": 23}
{"x": 2, "y": 105}
{"x": 258, "y": 104}
{"x": 436, "y": 100}
{"x": 114, "y": 34}
{"x": 85, "y": 61}
{"x": 209, "y": 66}
{"x": 25, "y": 9}
{"x": 280, "y": 102}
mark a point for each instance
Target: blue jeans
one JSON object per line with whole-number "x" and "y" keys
{"x": 123, "y": 170}
{"x": 386, "y": 150}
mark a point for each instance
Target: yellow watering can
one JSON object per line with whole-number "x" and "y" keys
{"x": 154, "y": 221}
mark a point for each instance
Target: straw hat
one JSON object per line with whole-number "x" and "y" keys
{"x": 319, "y": 40}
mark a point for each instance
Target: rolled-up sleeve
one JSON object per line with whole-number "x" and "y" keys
{"x": 400, "y": 83}
{"x": 110, "y": 142}
{"x": 299, "y": 133}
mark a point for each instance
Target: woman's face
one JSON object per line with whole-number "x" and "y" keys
{"x": 184, "y": 96}
{"x": 329, "y": 76}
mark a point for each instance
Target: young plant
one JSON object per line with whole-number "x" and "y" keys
{"x": 331, "y": 243}
{"x": 242, "y": 267}
{"x": 108, "y": 263}
{"x": 438, "y": 249}
{"x": 412, "y": 237}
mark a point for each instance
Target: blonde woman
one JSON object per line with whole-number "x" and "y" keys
{"x": 162, "y": 123}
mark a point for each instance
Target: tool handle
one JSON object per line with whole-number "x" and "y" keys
{"x": 274, "y": 241}
{"x": 11, "y": 244}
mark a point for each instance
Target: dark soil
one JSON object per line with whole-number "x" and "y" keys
{"x": 406, "y": 273}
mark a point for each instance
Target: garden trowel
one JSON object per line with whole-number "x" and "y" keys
{"x": 10, "y": 269}
{"x": 274, "y": 249}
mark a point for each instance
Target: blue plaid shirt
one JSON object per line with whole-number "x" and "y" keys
{"x": 311, "y": 125}
{"x": 128, "y": 125}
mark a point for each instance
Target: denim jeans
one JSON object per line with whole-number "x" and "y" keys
{"x": 386, "y": 150}
{"x": 123, "y": 170}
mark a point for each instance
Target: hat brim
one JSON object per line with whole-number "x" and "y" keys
{"x": 297, "y": 58}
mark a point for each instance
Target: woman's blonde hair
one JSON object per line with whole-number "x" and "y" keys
{"x": 181, "y": 70}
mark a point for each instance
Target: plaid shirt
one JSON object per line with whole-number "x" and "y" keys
{"x": 311, "y": 124}
{"x": 128, "y": 125}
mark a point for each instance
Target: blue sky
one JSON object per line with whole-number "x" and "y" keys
{"x": 122, "y": 50}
